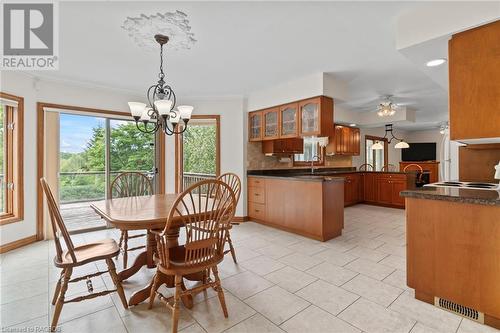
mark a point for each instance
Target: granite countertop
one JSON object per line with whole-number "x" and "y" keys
{"x": 308, "y": 177}
{"x": 463, "y": 195}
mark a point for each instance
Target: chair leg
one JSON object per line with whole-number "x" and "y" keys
{"x": 60, "y": 300}
{"x": 231, "y": 247}
{"x": 117, "y": 282}
{"x": 154, "y": 287}
{"x": 125, "y": 249}
{"x": 177, "y": 299}
{"x": 120, "y": 242}
{"x": 58, "y": 288}
{"x": 219, "y": 290}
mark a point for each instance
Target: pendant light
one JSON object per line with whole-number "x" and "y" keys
{"x": 388, "y": 130}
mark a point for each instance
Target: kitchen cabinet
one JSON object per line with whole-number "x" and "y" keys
{"x": 316, "y": 116}
{"x": 387, "y": 188}
{"x": 283, "y": 146}
{"x": 474, "y": 86}
{"x": 369, "y": 194}
{"x": 255, "y": 126}
{"x": 271, "y": 124}
{"x": 353, "y": 191}
{"x": 256, "y": 198}
{"x": 345, "y": 141}
{"x": 289, "y": 120}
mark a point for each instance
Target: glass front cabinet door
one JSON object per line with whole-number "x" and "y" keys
{"x": 289, "y": 122}
{"x": 310, "y": 117}
{"x": 255, "y": 126}
{"x": 271, "y": 123}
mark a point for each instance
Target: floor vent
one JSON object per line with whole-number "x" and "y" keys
{"x": 458, "y": 309}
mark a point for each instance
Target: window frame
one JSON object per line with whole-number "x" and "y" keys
{"x": 386, "y": 147}
{"x": 321, "y": 161}
{"x": 13, "y": 159}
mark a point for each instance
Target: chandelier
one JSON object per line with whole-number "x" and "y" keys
{"x": 387, "y": 107}
{"x": 388, "y": 130}
{"x": 161, "y": 112}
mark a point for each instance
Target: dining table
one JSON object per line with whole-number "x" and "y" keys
{"x": 147, "y": 213}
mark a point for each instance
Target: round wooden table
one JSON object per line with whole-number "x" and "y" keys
{"x": 144, "y": 213}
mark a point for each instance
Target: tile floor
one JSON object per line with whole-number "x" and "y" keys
{"x": 283, "y": 283}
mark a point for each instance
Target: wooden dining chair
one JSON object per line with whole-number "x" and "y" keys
{"x": 420, "y": 172}
{"x": 365, "y": 166}
{"x": 234, "y": 182}
{"x": 74, "y": 256}
{"x": 388, "y": 168}
{"x": 130, "y": 184}
{"x": 205, "y": 209}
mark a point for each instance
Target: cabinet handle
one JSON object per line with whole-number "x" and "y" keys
{"x": 257, "y": 211}
{"x": 256, "y": 194}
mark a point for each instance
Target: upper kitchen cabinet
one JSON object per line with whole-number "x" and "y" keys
{"x": 271, "y": 123}
{"x": 255, "y": 126}
{"x": 289, "y": 120}
{"x": 316, "y": 116}
{"x": 345, "y": 141}
{"x": 474, "y": 69}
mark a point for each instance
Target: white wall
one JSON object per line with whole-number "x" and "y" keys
{"x": 232, "y": 134}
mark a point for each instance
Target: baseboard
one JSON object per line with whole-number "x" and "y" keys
{"x": 241, "y": 218}
{"x": 18, "y": 243}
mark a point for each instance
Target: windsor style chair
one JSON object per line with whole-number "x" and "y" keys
{"x": 130, "y": 184}
{"x": 420, "y": 172}
{"x": 388, "y": 168}
{"x": 364, "y": 167}
{"x": 205, "y": 208}
{"x": 234, "y": 182}
{"x": 75, "y": 256}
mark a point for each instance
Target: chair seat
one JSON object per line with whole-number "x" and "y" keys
{"x": 177, "y": 265}
{"x": 104, "y": 249}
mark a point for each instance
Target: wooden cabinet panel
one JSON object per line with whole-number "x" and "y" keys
{"x": 256, "y": 182}
{"x": 257, "y": 211}
{"x": 283, "y": 146}
{"x": 257, "y": 195}
{"x": 345, "y": 141}
{"x": 289, "y": 120}
{"x": 310, "y": 117}
{"x": 255, "y": 126}
{"x": 384, "y": 190}
{"x": 271, "y": 124}
{"x": 474, "y": 69}
{"x": 398, "y": 186}
{"x": 369, "y": 187}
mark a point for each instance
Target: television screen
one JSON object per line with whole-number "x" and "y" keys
{"x": 419, "y": 152}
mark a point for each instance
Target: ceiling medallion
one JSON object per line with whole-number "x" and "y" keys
{"x": 175, "y": 25}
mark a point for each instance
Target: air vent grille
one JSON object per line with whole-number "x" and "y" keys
{"x": 458, "y": 309}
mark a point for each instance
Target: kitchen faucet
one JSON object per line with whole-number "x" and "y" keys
{"x": 315, "y": 157}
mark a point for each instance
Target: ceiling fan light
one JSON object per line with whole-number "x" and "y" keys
{"x": 377, "y": 146}
{"x": 402, "y": 145}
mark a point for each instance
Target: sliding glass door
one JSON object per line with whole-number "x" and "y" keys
{"x": 92, "y": 152}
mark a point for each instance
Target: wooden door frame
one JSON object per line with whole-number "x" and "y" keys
{"x": 179, "y": 149}
{"x": 40, "y": 153}
{"x": 386, "y": 147}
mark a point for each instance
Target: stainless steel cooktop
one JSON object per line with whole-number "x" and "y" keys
{"x": 469, "y": 185}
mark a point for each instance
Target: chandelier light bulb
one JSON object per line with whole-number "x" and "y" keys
{"x": 175, "y": 116}
{"x": 145, "y": 115}
{"x": 164, "y": 106}
{"x": 136, "y": 109}
{"x": 185, "y": 111}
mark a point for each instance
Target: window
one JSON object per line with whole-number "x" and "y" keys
{"x": 376, "y": 157}
{"x": 11, "y": 158}
{"x": 312, "y": 152}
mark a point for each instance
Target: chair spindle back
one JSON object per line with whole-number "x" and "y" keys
{"x": 131, "y": 184}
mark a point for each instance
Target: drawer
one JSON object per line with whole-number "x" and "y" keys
{"x": 256, "y": 182}
{"x": 257, "y": 211}
{"x": 257, "y": 194}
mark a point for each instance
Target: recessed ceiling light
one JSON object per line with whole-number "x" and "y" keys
{"x": 352, "y": 125}
{"x": 435, "y": 62}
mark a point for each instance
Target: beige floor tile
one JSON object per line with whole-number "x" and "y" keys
{"x": 277, "y": 304}
{"x": 262, "y": 265}
{"x": 339, "y": 245}
{"x": 367, "y": 242}
{"x": 396, "y": 250}
{"x": 195, "y": 328}
{"x": 469, "y": 326}
{"x": 107, "y": 320}
{"x": 335, "y": 257}
{"x": 75, "y": 310}
{"x": 17, "y": 291}
{"x": 24, "y": 310}
{"x": 245, "y": 284}
{"x": 366, "y": 253}
{"x": 394, "y": 262}
{"x": 290, "y": 278}
{"x": 32, "y": 325}
{"x": 370, "y": 268}
{"x": 11, "y": 276}
{"x": 372, "y": 289}
{"x": 254, "y": 324}
{"x": 159, "y": 319}
{"x": 253, "y": 243}
{"x": 243, "y": 253}
{"x": 371, "y": 317}
{"x": 228, "y": 268}
{"x": 332, "y": 273}
{"x": 327, "y": 296}
{"x": 426, "y": 314}
{"x": 316, "y": 320}
{"x": 300, "y": 261}
{"x": 397, "y": 279}
{"x": 308, "y": 247}
{"x": 420, "y": 328}
{"x": 275, "y": 251}
{"x": 210, "y": 316}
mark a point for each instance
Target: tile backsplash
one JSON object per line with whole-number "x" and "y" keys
{"x": 256, "y": 160}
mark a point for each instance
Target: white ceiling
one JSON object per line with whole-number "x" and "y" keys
{"x": 247, "y": 46}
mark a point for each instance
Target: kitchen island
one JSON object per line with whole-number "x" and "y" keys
{"x": 453, "y": 249}
{"x": 300, "y": 204}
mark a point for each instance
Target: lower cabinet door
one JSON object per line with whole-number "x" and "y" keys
{"x": 398, "y": 186}
{"x": 384, "y": 191}
{"x": 257, "y": 211}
